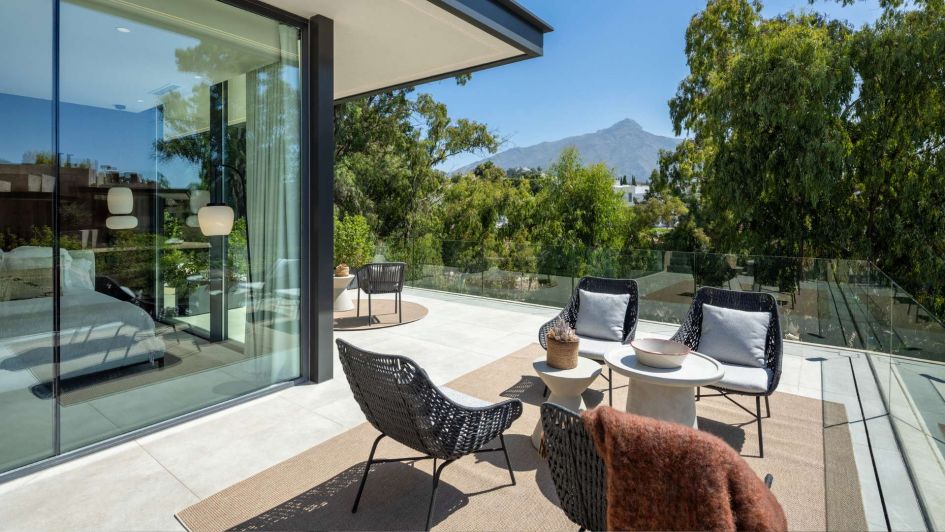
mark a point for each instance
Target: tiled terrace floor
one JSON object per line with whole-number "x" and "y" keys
{"x": 139, "y": 485}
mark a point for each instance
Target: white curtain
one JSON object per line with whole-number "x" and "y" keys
{"x": 273, "y": 210}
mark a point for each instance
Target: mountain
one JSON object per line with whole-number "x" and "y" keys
{"x": 624, "y": 146}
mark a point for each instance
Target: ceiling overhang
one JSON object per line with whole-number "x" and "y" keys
{"x": 383, "y": 45}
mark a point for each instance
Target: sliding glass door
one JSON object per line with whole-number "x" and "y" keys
{"x": 176, "y": 221}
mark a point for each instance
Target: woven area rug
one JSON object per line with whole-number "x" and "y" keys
{"x": 315, "y": 489}
{"x": 383, "y": 315}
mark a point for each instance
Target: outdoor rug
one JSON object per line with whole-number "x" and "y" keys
{"x": 315, "y": 489}
{"x": 384, "y": 315}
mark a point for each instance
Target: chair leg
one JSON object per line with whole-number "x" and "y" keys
{"x": 370, "y": 313}
{"x": 367, "y": 468}
{"x": 610, "y": 386}
{"x": 761, "y": 442}
{"x": 436, "y": 481}
{"x": 545, "y": 393}
{"x": 767, "y": 407}
{"x": 507, "y": 461}
{"x": 359, "y": 303}
{"x": 400, "y": 308}
{"x": 698, "y": 392}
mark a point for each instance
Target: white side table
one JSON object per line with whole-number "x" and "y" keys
{"x": 342, "y": 299}
{"x": 565, "y": 386}
{"x": 667, "y": 394}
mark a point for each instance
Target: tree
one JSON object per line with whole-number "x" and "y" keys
{"x": 811, "y": 138}
{"x": 490, "y": 215}
{"x": 387, "y": 148}
{"x": 577, "y": 212}
{"x": 764, "y": 99}
{"x": 897, "y": 166}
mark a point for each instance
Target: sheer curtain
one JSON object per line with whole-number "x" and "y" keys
{"x": 273, "y": 210}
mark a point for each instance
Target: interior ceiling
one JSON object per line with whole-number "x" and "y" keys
{"x": 381, "y": 43}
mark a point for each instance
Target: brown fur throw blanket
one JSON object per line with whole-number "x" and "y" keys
{"x": 665, "y": 476}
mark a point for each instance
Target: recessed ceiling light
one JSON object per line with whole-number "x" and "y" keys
{"x": 121, "y": 29}
{"x": 198, "y": 77}
{"x": 140, "y": 101}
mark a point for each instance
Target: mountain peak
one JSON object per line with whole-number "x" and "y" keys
{"x": 625, "y": 147}
{"x": 625, "y": 124}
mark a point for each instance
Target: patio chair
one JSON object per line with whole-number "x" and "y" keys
{"x": 399, "y": 400}
{"x": 596, "y": 348}
{"x": 739, "y": 379}
{"x": 577, "y": 470}
{"x": 382, "y": 278}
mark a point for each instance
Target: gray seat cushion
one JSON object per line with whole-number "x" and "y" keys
{"x": 601, "y": 315}
{"x": 462, "y": 399}
{"x": 746, "y": 379}
{"x": 734, "y": 336}
{"x": 594, "y": 348}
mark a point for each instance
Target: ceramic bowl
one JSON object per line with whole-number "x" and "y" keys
{"x": 660, "y": 353}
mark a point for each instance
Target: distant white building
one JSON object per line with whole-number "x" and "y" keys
{"x": 632, "y": 194}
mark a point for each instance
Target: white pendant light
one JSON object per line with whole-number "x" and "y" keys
{"x": 121, "y": 222}
{"x": 120, "y": 200}
{"x": 216, "y": 219}
{"x": 120, "y": 204}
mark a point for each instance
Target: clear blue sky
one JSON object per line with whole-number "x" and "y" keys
{"x": 605, "y": 61}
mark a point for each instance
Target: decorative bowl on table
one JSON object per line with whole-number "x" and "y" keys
{"x": 656, "y": 353}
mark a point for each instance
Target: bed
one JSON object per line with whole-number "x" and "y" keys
{"x": 98, "y": 332}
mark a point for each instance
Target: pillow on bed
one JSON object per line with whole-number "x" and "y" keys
{"x": 32, "y": 257}
{"x": 26, "y": 284}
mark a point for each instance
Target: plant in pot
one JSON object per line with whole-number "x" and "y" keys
{"x": 353, "y": 243}
{"x": 562, "y": 345}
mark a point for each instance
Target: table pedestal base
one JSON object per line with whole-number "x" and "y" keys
{"x": 576, "y": 404}
{"x": 669, "y": 403}
{"x": 342, "y": 299}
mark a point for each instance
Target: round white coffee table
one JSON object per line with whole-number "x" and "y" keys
{"x": 565, "y": 385}
{"x": 667, "y": 394}
{"x": 342, "y": 299}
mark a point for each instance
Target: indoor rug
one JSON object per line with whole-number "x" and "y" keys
{"x": 384, "y": 315}
{"x": 315, "y": 489}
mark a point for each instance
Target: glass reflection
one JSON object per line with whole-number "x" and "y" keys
{"x": 189, "y": 106}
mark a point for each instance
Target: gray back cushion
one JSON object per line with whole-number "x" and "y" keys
{"x": 734, "y": 336}
{"x": 601, "y": 315}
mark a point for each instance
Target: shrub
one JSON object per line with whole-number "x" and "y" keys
{"x": 354, "y": 244}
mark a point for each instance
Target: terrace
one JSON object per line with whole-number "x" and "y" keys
{"x": 849, "y": 440}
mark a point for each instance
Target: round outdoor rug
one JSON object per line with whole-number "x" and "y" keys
{"x": 384, "y": 315}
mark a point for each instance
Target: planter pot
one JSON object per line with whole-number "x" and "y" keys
{"x": 562, "y": 355}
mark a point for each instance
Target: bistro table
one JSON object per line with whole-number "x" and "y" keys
{"x": 342, "y": 299}
{"x": 667, "y": 394}
{"x": 565, "y": 385}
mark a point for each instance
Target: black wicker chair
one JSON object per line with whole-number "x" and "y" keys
{"x": 577, "y": 470}
{"x": 593, "y": 348}
{"x": 690, "y": 333}
{"x": 399, "y": 400}
{"x": 381, "y": 278}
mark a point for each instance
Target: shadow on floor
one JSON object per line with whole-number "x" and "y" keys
{"x": 396, "y": 494}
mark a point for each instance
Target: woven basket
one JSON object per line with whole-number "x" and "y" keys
{"x": 562, "y": 355}
{"x": 342, "y": 270}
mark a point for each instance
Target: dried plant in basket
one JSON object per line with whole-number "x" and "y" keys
{"x": 562, "y": 352}
{"x": 562, "y": 332}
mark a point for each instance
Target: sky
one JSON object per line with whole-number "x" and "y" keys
{"x": 606, "y": 60}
